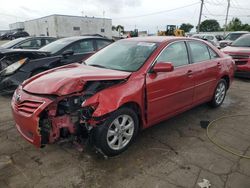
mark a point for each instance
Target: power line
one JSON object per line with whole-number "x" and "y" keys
{"x": 155, "y": 13}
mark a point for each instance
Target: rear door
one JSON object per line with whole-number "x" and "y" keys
{"x": 82, "y": 49}
{"x": 170, "y": 92}
{"x": 205, "y": 70}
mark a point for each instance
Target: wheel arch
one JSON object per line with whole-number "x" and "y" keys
{"x": 137, "y": 109}
{"x": 227, "y": 79}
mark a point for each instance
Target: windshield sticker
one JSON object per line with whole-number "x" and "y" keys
{"x": 148, "y": 44}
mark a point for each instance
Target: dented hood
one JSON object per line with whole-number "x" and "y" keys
{"x": 69, "y": 79}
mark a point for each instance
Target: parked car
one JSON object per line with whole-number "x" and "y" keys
{"x": 17, "y": 34}
{"x": 18, "y": 65}
{"x": 239, "y": 50}
{"x": 27, "y": 43}
{"x": 212, "y": 38}
{"x": 130, "y": 85}
{"x": 5, "y": 36}
{"x": 231, "y": 37}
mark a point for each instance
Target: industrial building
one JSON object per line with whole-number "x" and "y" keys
{"x": 65, "y": 26}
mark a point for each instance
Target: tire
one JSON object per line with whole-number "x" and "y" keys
{"x": 219, "y": 94}
{"x": 112, "y": 132}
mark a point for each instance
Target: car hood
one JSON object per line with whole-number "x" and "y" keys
{"x": 69, "y": 79}
{"x": 232, "y": 49}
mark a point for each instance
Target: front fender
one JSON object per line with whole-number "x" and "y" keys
{"x": 112, "y": 98}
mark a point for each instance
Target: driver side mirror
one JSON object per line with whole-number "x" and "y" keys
{"x": 67, "y": 53}
{"x": 163, "y": 67}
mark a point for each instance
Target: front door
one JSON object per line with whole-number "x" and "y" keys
{"x": 170, "y": 92}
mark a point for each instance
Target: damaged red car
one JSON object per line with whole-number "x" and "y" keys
{"x": 128, "y": 86}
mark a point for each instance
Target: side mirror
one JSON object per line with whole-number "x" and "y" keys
{"x": 163, "y": 67}
{"x": 67, "y": 53}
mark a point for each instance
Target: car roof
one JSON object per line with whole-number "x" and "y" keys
{"x": 76, "y": 38}
{"x": 155, "y": 39}
{"x": 239, "y": 32}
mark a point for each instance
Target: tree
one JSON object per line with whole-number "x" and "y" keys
{"x": 120, "y": 28}
{"x": 209, "y": 26}
{"x": 186, "y": 27}
{"x": 234, "y": 25}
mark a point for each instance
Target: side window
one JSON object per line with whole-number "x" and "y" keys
{"x": 35, "y": 43}
{"x": 199, "y": 51}
{"x": 82, "y": 47}
{"x": 102, "y": 43}
{"x": 213, "y": 54}
{"x": 175, "y": 53}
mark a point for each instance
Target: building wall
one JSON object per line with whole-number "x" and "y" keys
{"x": 41, "y": 27}
{"x": 17, "y": 26}
{"x": 66, "y": 26}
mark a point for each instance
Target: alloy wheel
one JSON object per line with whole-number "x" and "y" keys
{"x": 120, "y": 132}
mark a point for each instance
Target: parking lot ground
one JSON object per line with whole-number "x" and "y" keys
{"x": 175, "y": 153}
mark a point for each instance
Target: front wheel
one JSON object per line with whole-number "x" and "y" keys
{"x": 117, "y": 132}
{"x": 219, "y": 94}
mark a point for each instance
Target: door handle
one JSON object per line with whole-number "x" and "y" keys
{"x": 219, "y": 64}
{"x": 189, "y": 73}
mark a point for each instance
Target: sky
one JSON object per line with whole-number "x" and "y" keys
{"x": 149, "y": 15}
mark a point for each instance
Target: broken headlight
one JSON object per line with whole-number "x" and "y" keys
{"x": 13, "y": 67}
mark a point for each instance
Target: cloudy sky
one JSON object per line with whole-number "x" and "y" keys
{"x": 142, "y": 14}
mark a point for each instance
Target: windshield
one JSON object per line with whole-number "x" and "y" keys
{"x": 123, "y": 55}
{"x": 12, "y": 43}
{"x": 243, "y": 41}
{"x": 233, "y": 36}
{"x": 56, "y": 46}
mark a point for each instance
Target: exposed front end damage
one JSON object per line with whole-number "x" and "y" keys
{"x": 46, "y": 119}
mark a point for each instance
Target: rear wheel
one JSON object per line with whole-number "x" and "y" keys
{"x": 117, "y": 132}
{"x": 219, "y": 94}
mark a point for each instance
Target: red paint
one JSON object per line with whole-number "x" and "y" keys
{"x": 159, "y": 95}
{"x": 241, "y": 56}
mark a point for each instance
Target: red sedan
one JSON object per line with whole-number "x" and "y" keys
{"x": 240, "y": 52}
{"x": 128, "y": 86}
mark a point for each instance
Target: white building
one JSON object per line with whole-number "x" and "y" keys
{"x": 66, "y": 26}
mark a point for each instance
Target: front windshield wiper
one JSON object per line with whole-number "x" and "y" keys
{"x": 96, "y": 65}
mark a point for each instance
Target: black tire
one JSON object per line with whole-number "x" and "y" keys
{"x": 100, "y": 132}
{"x": 214, "y": 102}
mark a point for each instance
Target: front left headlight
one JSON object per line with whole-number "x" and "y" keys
{"x": 13, "y": 67}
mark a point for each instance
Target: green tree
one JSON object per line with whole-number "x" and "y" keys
{"x": 209, "y": 26}
{"x": 186, "y": 27}
{"x": 234, "y": 25}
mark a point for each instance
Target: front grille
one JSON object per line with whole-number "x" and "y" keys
{"x": 28, "y": 107}
{"x": 240, "y": 59}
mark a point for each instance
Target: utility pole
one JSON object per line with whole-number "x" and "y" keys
{"x": 199, "y": 23}
{"x": 225, "y": 27}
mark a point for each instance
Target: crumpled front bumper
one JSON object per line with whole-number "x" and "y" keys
{"x": 26, "y": 110}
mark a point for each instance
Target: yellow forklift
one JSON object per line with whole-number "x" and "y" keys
{"x": 172, "y": 30}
